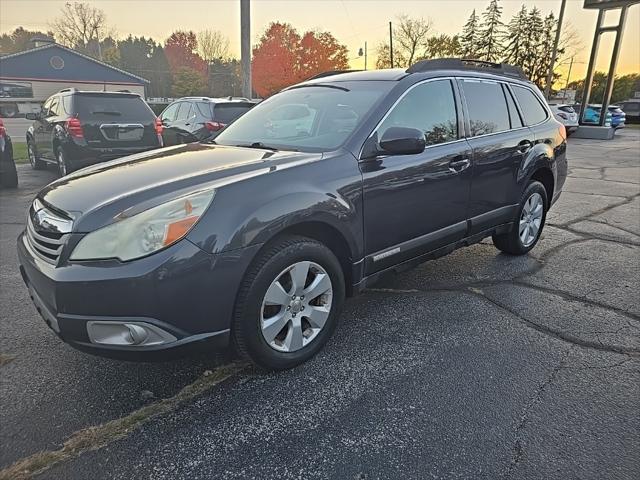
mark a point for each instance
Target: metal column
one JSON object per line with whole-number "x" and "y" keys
{"x": 245, "y": 47}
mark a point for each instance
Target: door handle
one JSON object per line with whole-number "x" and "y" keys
{"x": 457, "y": 166}
{"x": 524, "y": 146}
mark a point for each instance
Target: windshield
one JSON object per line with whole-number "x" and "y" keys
{"x": 310, "y": 118}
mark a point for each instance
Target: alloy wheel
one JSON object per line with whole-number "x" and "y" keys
{"x": 32, "y": 155}
{"x": 296, "y": 306}
{"x": 62, "y": 164}
{"x": 531, "y": 219}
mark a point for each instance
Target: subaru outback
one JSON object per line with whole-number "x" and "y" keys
{"x": 256, "y": 238}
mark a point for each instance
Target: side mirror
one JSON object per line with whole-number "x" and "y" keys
{"x": 402, "y": 141}
{"x": 31, "y": 116}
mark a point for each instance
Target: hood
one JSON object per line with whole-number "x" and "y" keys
{"x": 106, "y": 189}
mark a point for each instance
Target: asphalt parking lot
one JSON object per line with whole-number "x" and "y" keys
{"x": 477, "y": 365}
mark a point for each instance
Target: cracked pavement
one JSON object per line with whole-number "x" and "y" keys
{"x": 476, "y": 365}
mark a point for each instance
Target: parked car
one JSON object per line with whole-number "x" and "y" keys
{"x": 76, "y": 129}
{"x": 592, "y": 115}
{"x": 196, "y": 119}
{"x": 566, "y": 115}
{"x": 631, "y": 108}
{"x": 8, "y": 173}
{"x": 618, "y": 117}
{"x": 256, "y": 239}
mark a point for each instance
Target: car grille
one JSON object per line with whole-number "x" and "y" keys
{"x": 46, "y": 232}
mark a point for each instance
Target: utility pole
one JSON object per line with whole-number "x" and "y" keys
{"x": 554, "y": 54}
{"x": 567, "y": 84}
{"x": 391, "y": 44}
{"x": 365, "y": 55}
{"x": 245, "y": 47}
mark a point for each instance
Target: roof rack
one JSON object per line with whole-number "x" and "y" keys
{"x": 331, "y": 72}
{"x": 71, "y": 89}
{"x": 467, "y": 64}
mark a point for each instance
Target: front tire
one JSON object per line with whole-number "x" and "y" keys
{"x": 288, "y": 304}
{"x": 532, "y": 214}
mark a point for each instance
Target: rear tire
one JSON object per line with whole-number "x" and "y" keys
{"x": 34, "y": 159}
{"x": 529, "y": 223}
{"x": 64, "y": 166}
{"x": 274, "y": 325}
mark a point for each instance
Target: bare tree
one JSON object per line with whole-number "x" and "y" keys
{"x": 212, "y": 45}
{"x": 409, "y": 42}
{"x": 81, "y": 26}
{"x": 570, "y": 44}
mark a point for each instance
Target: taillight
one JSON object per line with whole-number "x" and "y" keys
{"x": 3, "y": 132}
{"x": 159, "y": 126}
{"x": 563, "y": 131}
{"x": 214, "y": 126}
{"x": 563, "y": 115}
{"x": 74, "y": 128}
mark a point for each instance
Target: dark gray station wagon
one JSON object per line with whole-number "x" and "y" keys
{"x": 257, "y": 238}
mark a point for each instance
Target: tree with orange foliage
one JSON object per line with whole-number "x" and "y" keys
{"x": 283, "y": 57}
{"x": 181, "y": 51}
{"x": 321, "y": 52}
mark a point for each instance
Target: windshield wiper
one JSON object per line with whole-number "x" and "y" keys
{"x": 259, "y": 145}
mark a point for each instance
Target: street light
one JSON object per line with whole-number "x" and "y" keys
{"x": 361, "y": 53}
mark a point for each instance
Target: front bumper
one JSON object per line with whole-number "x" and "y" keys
{"x": 182, "y": 290}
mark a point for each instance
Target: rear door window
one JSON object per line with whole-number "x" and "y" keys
{"x": 228, "y": 112}
{"x": 184, "y": 112}
{"x": 487, "y": 106}
{"x": 113, "y": 108}
{"x": 530, "y": 106}
{"x": 54, "y": 108}
{"x": 429, "y": 107}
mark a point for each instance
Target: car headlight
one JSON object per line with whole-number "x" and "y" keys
{"x": 145, "y": 232}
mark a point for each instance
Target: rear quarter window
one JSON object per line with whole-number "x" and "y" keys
{"x": 530, "y": 106}
{"x": 66, "y": 104}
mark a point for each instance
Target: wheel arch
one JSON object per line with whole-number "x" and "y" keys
{"x": 329, "y": 236}
{"x": 544, "y": 175}
{"x": 56, "y": 143}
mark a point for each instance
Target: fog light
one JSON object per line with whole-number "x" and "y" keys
{"x": 131, "y": 334}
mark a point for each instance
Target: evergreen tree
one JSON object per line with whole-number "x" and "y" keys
{"x": 469, "y": 36}
{"x": 531, "y": 43}
{"x": 514, "y": 49}
{"x": 490, "y": 44}
{"x": 160, "y": 76}
{"x": 545, "y": 50}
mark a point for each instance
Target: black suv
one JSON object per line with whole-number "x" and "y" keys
{"x": 76, "y": 129}
{"x": 197, "y": 119}
{"x": 8, "y": 172}
{"x": 258, "y": 237}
